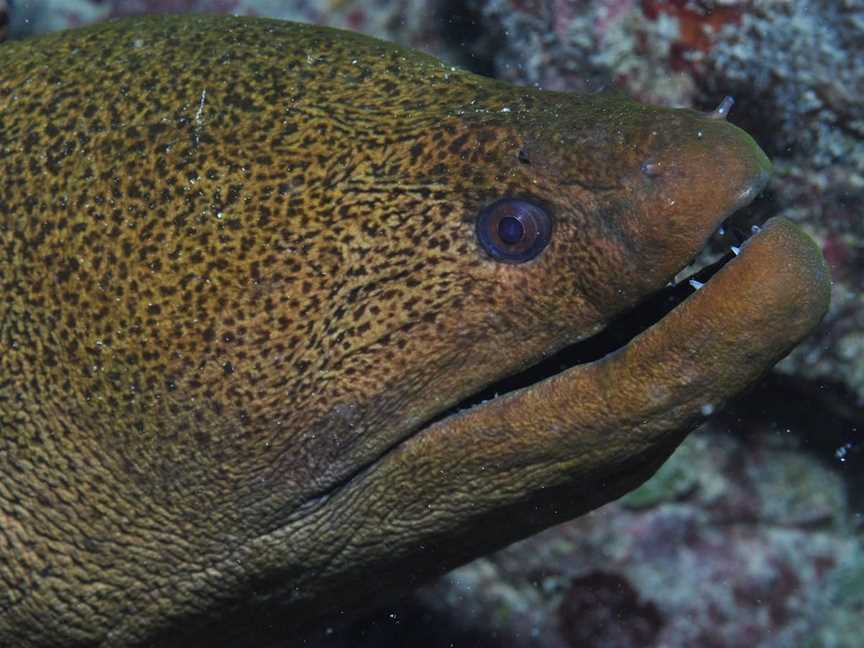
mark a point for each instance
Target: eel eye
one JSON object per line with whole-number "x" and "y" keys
{"x": 513, "y": 230}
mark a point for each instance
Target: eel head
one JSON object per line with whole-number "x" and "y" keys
{"x": 565, "y": 218}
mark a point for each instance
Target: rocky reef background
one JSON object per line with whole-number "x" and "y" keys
{"x": 753, "y": 533}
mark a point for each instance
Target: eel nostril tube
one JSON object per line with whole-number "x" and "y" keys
{"x": 723, "y": 109}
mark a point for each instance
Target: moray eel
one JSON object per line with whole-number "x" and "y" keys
{"x": 253, "y": 273}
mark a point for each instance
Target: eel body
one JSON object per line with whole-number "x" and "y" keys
{"x": 252, "y": 270}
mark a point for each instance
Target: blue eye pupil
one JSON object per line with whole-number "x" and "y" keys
{"x": 510, "y": 230}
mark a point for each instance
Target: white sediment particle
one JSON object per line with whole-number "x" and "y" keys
{"x": 842, "y": 452}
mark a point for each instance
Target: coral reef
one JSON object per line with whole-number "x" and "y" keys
{"x": 602, "y": 609}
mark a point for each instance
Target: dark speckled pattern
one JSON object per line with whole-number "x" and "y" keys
{"x": 238, "y": 265}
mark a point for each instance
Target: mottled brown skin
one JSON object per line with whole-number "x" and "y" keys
{"x": 240, "y": 277}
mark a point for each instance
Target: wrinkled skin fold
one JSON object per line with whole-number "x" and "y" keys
{"x": 242, "y": 288}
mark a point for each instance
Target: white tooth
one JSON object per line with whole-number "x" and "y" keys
{"x": 696, "y": 285}
{"x": 722, "y": 231}
{"x": 755, "y": 229}
{"x": 736, "y": 250}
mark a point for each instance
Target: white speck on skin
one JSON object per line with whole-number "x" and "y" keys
{"x": 199, "y": 116}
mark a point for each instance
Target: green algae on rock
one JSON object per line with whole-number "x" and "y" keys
{"x": 249, "y": 268}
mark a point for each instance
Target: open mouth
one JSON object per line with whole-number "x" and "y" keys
{"x": 626, "y": 326}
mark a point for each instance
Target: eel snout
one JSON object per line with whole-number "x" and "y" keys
{"x": 709, "y": 169}
{"x": 692, "y": 171}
